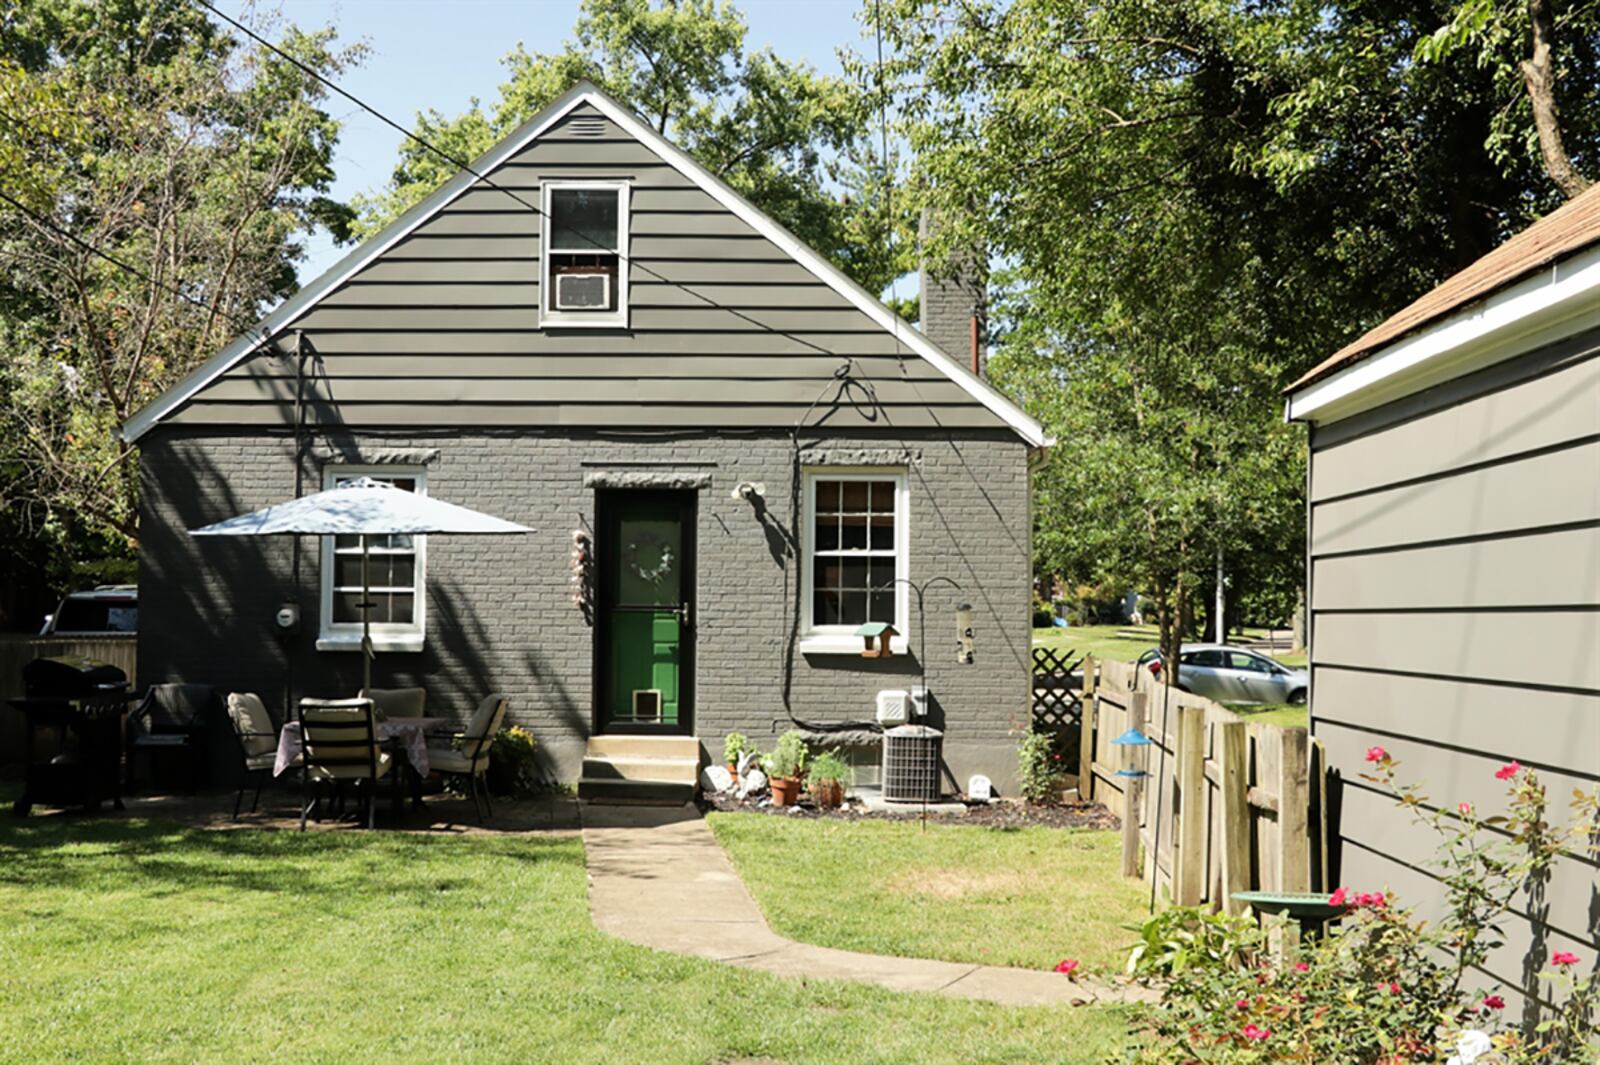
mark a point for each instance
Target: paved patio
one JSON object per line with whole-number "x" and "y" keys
{"x": 658, "y": 878}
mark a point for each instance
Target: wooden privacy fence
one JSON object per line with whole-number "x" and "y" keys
{"x": 1229, "y": 804}
{"x": 18, "y": 651}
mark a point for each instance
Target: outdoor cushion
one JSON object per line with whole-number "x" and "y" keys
{"x": 446, "y": 760}
{"x": 261, "y": 761}
{"x": 253, "y": 724}
{"x": 351, "y": 772}
{"x": 175, "y": 707}
{"x": 486, "y": 719}
{"x": 396, "y": 702}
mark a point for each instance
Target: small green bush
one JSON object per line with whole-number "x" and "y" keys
{"x": 513, "y": 767}
{"x": 733, "y": 745}
{"x": 788, "y": 758}
{"x": 829, "y": 767}
{"x": 1184, "y": 938}
{"x": 1041, "y": 764}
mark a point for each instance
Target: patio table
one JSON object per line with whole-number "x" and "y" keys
{"x": 407, "y": 734}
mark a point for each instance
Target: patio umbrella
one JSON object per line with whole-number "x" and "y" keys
{"x": 364, "y": 507}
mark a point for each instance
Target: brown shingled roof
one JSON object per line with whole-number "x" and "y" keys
{"x": 1570, "y": 228}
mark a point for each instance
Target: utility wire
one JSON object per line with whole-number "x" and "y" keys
{"x": 460, "y": 164}
{"x": 123, "y": 265}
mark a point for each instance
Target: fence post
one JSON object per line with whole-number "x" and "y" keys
{"x": 1189, "y": 845}
{"x": 1086, "y": 733}
{"x": 1294, "y": 807}
{"x": 1132, "y": 790}
{"x": 1233, "y": 740}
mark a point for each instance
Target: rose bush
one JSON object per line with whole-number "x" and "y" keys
{"x": 1384, "y": 987}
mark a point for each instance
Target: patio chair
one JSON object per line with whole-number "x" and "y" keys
{"x": 340, "y": 744}
{"x": 469, "y": 754}
{"x": 395, "y": 702}
{"x": 171, "y": 717}
{"x": 258, "y": 743}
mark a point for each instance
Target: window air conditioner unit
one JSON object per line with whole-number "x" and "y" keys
{"x": 586, "y": 291}
{"x": 893, "y": 707}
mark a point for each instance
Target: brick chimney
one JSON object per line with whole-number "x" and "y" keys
{"x": 955, "y": 302}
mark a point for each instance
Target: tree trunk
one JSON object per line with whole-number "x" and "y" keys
{"x": 1538, "y": 75}
{"x": 1220, "y": 607}
{"x": 1170, "y": 637}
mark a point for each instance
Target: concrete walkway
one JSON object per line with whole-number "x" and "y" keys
{"x": 658, "y": 878}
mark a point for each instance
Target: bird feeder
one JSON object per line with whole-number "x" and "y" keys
{"x": 964, "y": 634}
{"x": 1136, "y": 753}
{"x": 875, "y": 637}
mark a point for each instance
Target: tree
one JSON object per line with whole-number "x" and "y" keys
{"x": 794, "y": 142}
{"x": 1198, "y": 201}
{"x": 164, "y": 176}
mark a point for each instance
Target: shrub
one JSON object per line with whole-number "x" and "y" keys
{"x": 1183, "y": 938}
{"x": 1044, "y": 615}
{"x": 733, "y": 745}
{"x": 829, "y": 767}
{"x": 788, "y": 758}
{"x": 1384, "y": 986}
{"x": 513, "y": 767}
{"x": 1041, "y": 764}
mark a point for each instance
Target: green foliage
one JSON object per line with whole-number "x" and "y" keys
{"x": 1384, "y": 985}
{"x": 197, "y": 161}
{"x": 797, "y": 143}
{"x": 1042, "y": 761}
{"x": 1184, "y": 938}
{"x": 733, "y": 745}
{"x": 788, "y": 758}
{"x": 514, "y": 764}
{"x": 1095, "y": 604}
{"x": 829, "y": 767}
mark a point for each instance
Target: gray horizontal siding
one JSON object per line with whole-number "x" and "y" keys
{"x": 1455, "y": 601}
{"x": 725, "y": 329}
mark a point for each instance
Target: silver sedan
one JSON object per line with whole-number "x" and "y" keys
{"x": 1232, "y": 674}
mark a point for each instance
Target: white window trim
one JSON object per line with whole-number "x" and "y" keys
{"x": 841, "y": 639}
{"x": 583, "y": 319}
{"x": 386, "y": 636}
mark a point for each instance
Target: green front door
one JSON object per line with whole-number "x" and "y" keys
{"x": 645, "y": 555}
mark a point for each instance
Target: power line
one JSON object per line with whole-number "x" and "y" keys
{"x": 125, "y": 266}
{"x": 453, "y": 161}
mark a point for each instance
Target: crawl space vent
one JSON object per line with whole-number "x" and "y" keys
{"x": 911, "y": 764}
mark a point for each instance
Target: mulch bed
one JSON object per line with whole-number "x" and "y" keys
{"x": 1001, "y": 814}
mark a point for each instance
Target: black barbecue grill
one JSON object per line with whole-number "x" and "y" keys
{"x": 74, "y": 709}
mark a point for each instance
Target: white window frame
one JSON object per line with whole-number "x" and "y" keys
{"x": 584, "y": 319}
{"x": 386, "y": 635}
{"x": 841, "y": 639}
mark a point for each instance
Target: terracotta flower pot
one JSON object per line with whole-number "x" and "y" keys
{"x": 733, "y": 770}
{"x": 785, "y": 790}
{"x": 828, "y": 794}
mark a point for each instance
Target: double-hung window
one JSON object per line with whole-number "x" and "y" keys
{"x": 584, "y": 250}
{"x": 395, "y": 566}
{"x": 855, "y": 550}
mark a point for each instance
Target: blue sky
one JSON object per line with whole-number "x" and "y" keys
{"x": 440, "y": 55}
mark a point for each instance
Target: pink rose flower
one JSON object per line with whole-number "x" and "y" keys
{"x": 1376, "y": 754}
{"x": 1563, "y": 957}
{"x": 1255, "y": 1034}
{"x": 1493, "y": 1002}
{"x": 1465, "y": 808}
{"x": 1340, "y": 897}
{"x": 1302, "y": 967}
{"x": 1242, "y": 1004}
{"x": 1066, "y": 966}
{"x": 1509, "y": 770}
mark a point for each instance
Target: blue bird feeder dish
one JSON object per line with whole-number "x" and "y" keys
{"x": 1132, "y": 738}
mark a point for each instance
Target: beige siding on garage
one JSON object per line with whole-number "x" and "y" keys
{"x": 1455, "y": 595}
{"x": 725, "y": 329}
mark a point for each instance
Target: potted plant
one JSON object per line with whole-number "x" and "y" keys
{"x": 786, "y": 767}
{"x": 826, "y": 779}
{"x": 733, "y": 745}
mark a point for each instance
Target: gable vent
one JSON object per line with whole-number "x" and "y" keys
{"x": 587, "y": 127}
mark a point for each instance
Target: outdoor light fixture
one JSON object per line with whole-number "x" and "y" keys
{"x": 881, "y": 631}
{"x": 964, "y": 634}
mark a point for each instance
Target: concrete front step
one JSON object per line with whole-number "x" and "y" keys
{"x": 623, "y": 746}
{"x": 658, "y": 770}
{"x": 635, "y": 792}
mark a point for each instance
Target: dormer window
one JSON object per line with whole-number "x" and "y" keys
{"x": 585, "y": 237}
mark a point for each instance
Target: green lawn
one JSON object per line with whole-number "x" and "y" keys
{"x": 1027, "y": 897}
{"x": 1285, "y": 714}
{"x": 129, "y": 940}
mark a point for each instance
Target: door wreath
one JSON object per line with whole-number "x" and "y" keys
{"x": 663, "y": 551}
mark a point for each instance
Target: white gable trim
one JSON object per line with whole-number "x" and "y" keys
{"x": 1557, "y": 301}
{"x": 307, "y": 298}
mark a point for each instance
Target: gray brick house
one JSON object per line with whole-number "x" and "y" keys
{"x": 755, "y": 449}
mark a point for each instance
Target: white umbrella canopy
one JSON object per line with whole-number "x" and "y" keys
{"x": 363, "y": 507}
